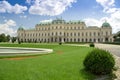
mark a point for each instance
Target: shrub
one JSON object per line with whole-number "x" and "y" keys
{"x": 19, "y": 42}
{"x": 92, "y": 45}
{"x": 99, "y": 62}
{"x": 60, "y": 43}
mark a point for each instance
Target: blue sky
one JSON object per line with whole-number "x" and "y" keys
{"x": 28, "y": 13}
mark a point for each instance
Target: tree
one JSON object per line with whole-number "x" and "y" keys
{"x": 2, "y": 37}
{"x": 14, "y": 39}
{"x": 117, "y": 37}
{"x": 7, "y": 38}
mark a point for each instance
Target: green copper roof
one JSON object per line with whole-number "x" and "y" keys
{"x": 20, "y": 28}
{"x": 106, "y": 24}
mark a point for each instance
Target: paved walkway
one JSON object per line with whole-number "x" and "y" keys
{"x": 115, "y": 50}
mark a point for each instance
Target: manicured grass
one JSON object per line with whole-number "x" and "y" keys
{"x": 66, "y": 63}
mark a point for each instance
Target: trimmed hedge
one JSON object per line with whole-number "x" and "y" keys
{"x": 92, "y": 45}
{"x": 99, "y": 62}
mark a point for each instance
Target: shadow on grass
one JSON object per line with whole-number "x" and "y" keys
{"x": 87, "y": 75}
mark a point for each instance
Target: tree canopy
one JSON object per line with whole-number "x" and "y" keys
{"x": 4, "y": 38}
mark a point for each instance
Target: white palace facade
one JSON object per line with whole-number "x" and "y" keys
{"x": 60, "y": 30}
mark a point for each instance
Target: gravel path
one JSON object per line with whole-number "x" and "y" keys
{"x": 115, "y": 50}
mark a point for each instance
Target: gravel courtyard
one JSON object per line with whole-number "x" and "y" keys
{"x": 115, "y": 50}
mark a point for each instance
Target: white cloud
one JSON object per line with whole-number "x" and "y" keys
{"x": 108, "y": 5}
{"x": 114, "y": 21}
{"x": 7, "y": 28}
{"x": 44, "y": 21}
{"x": 114, "y": 13}
{"x": 7, "y": 7}
{"x": 49, "y": 7}
{"x": 92, "y": 22}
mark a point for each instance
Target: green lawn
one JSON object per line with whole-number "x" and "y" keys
{"x": 66, "y": 63}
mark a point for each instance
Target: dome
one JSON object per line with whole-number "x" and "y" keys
{"x": 20, "y": 28}
{"x": 106, "y": 24}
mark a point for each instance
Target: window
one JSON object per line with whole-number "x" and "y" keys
{"x": 48, "y": 28}
{"x": 25, "y": 34}
{"x": 71, "y": 40}
{"x": 78, "y": 34}
{"x": 82, "y": 40}
{"x": 60, "y": 27}
{"x": 94, "y": 34}
{"x": 67, "y": 40}
{"x": 60, "y": 33}
{"x": 106, "y": 33}
{"x": 86, "y": 40}
{"x": 78, "y": 40}
{"x": 56, "y": 33}
{"x": 82, "y": 34}
{"x": 75, "y": 28}
{"x": 64, "y": 34}
{"x": 74, "y": 40}
{"x": 90, "y": 40}
{"x": 94, "y": 40}
{"x": 67, "y": 34}
{"x": 71, "y": 34}
{"x": 86, "y": 33}
{"x": 98, "y": 34}
{"x": 48, "y": 34}
{"x": 90, "y": 34}
{"x": 52, "y": 33}
{"x": 74, "y": 34}
{"x": 67, "y": 27}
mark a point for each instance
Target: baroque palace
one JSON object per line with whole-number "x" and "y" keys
{"x": 60, "y": 30}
